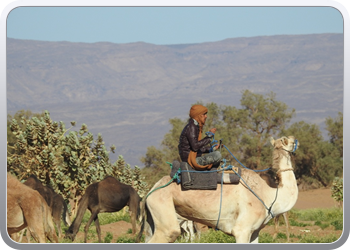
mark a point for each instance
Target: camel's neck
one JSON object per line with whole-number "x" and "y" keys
{"x": 285, "y": 172}
{"x": 287, "y": 189}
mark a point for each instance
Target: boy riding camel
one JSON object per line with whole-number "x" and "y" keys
{"x": 192, "y": 146}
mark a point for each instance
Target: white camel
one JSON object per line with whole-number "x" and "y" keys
{"x": 245, "y": 208}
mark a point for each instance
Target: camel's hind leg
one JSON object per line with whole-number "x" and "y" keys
{"x": 166, "y": 226}
{"x": 58, "y": 226}
{"x": 276, "y": 220}
{"x": 37, "y": 232}
{"x": 286, "y": 220}
{"x": 35, "y": 218}
{"x": 133, "y": 221}
{"x": 56, "y": 216}
{"x": 86, "y": 228}
{"x": 49, "y": 227}
{"x": 98, "y": 229}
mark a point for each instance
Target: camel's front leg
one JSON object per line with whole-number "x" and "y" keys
{"x": 242, "y": 234}
{"x": 243, "y": 237}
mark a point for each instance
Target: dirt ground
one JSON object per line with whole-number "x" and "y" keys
{"x": 318, "y": 198}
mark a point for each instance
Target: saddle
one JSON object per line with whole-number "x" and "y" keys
{"x": 192, "y": 179}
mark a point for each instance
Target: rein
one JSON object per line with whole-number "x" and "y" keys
{"x": 214, "y": 141}
{"x": 284, "y": 170}
{"x": 175, "y": 177}
{"x": 295, "y": 147}
{"x": 251, "y": 190}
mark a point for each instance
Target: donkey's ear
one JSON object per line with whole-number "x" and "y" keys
{"x": 272, "y": 141}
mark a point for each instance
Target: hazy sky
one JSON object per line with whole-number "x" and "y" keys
{"x": 167, "y": 25}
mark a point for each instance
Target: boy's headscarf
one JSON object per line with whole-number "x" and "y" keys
{"x": 195, "y": 112}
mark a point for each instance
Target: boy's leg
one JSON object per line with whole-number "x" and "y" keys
{"x": 210, "y": 158}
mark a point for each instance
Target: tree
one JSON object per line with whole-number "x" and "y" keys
{"x": 214, "y": 119}
{"x": 231, "y": 132}
{"x": 156, "y": 160}
{"x": 68, "y": 163}
{"x": 36, "y": 147}
{"x": 309, "y": 138}
{"x": 328, "y": 164}
{"x": 335, "y": 131}
{"x": 260, "y": 118}
{"x": 133, "y": 177}
{"x": 316, "y": 159}
{"x": 171, "y": 140}
{"x": 153, "y": 158}
{"x": 27, "y": 114}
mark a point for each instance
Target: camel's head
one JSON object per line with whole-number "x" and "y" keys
{"x": 289, "y": 143}
{"x": 69, "y": 234}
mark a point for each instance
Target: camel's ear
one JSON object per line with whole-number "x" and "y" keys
{"x": 272, "y": 141}
{"x": 291, "y": 137}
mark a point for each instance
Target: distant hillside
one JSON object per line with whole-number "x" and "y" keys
{"x": 127, "y": 92}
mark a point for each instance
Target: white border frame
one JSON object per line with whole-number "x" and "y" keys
{"x": 285, "y": 3}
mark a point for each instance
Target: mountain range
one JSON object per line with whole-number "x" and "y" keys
{"x": 128, "y": 92}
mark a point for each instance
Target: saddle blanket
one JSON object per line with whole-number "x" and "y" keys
{"x": 205, "y": 179}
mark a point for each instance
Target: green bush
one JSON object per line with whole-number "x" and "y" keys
{"x": 266, "y": 238}
{"x": 281, "y": 236}
{"x": 337, "y": 189}
{"x": 307, "y": 238}
{"x": 125, "y": 239}
{"x": 338, "y": 224}
{"x": 213, "y": 236}
{"x": 108, "y": 238}
{"x": 321, "y": 225}
{"x": 295, "y": 223}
